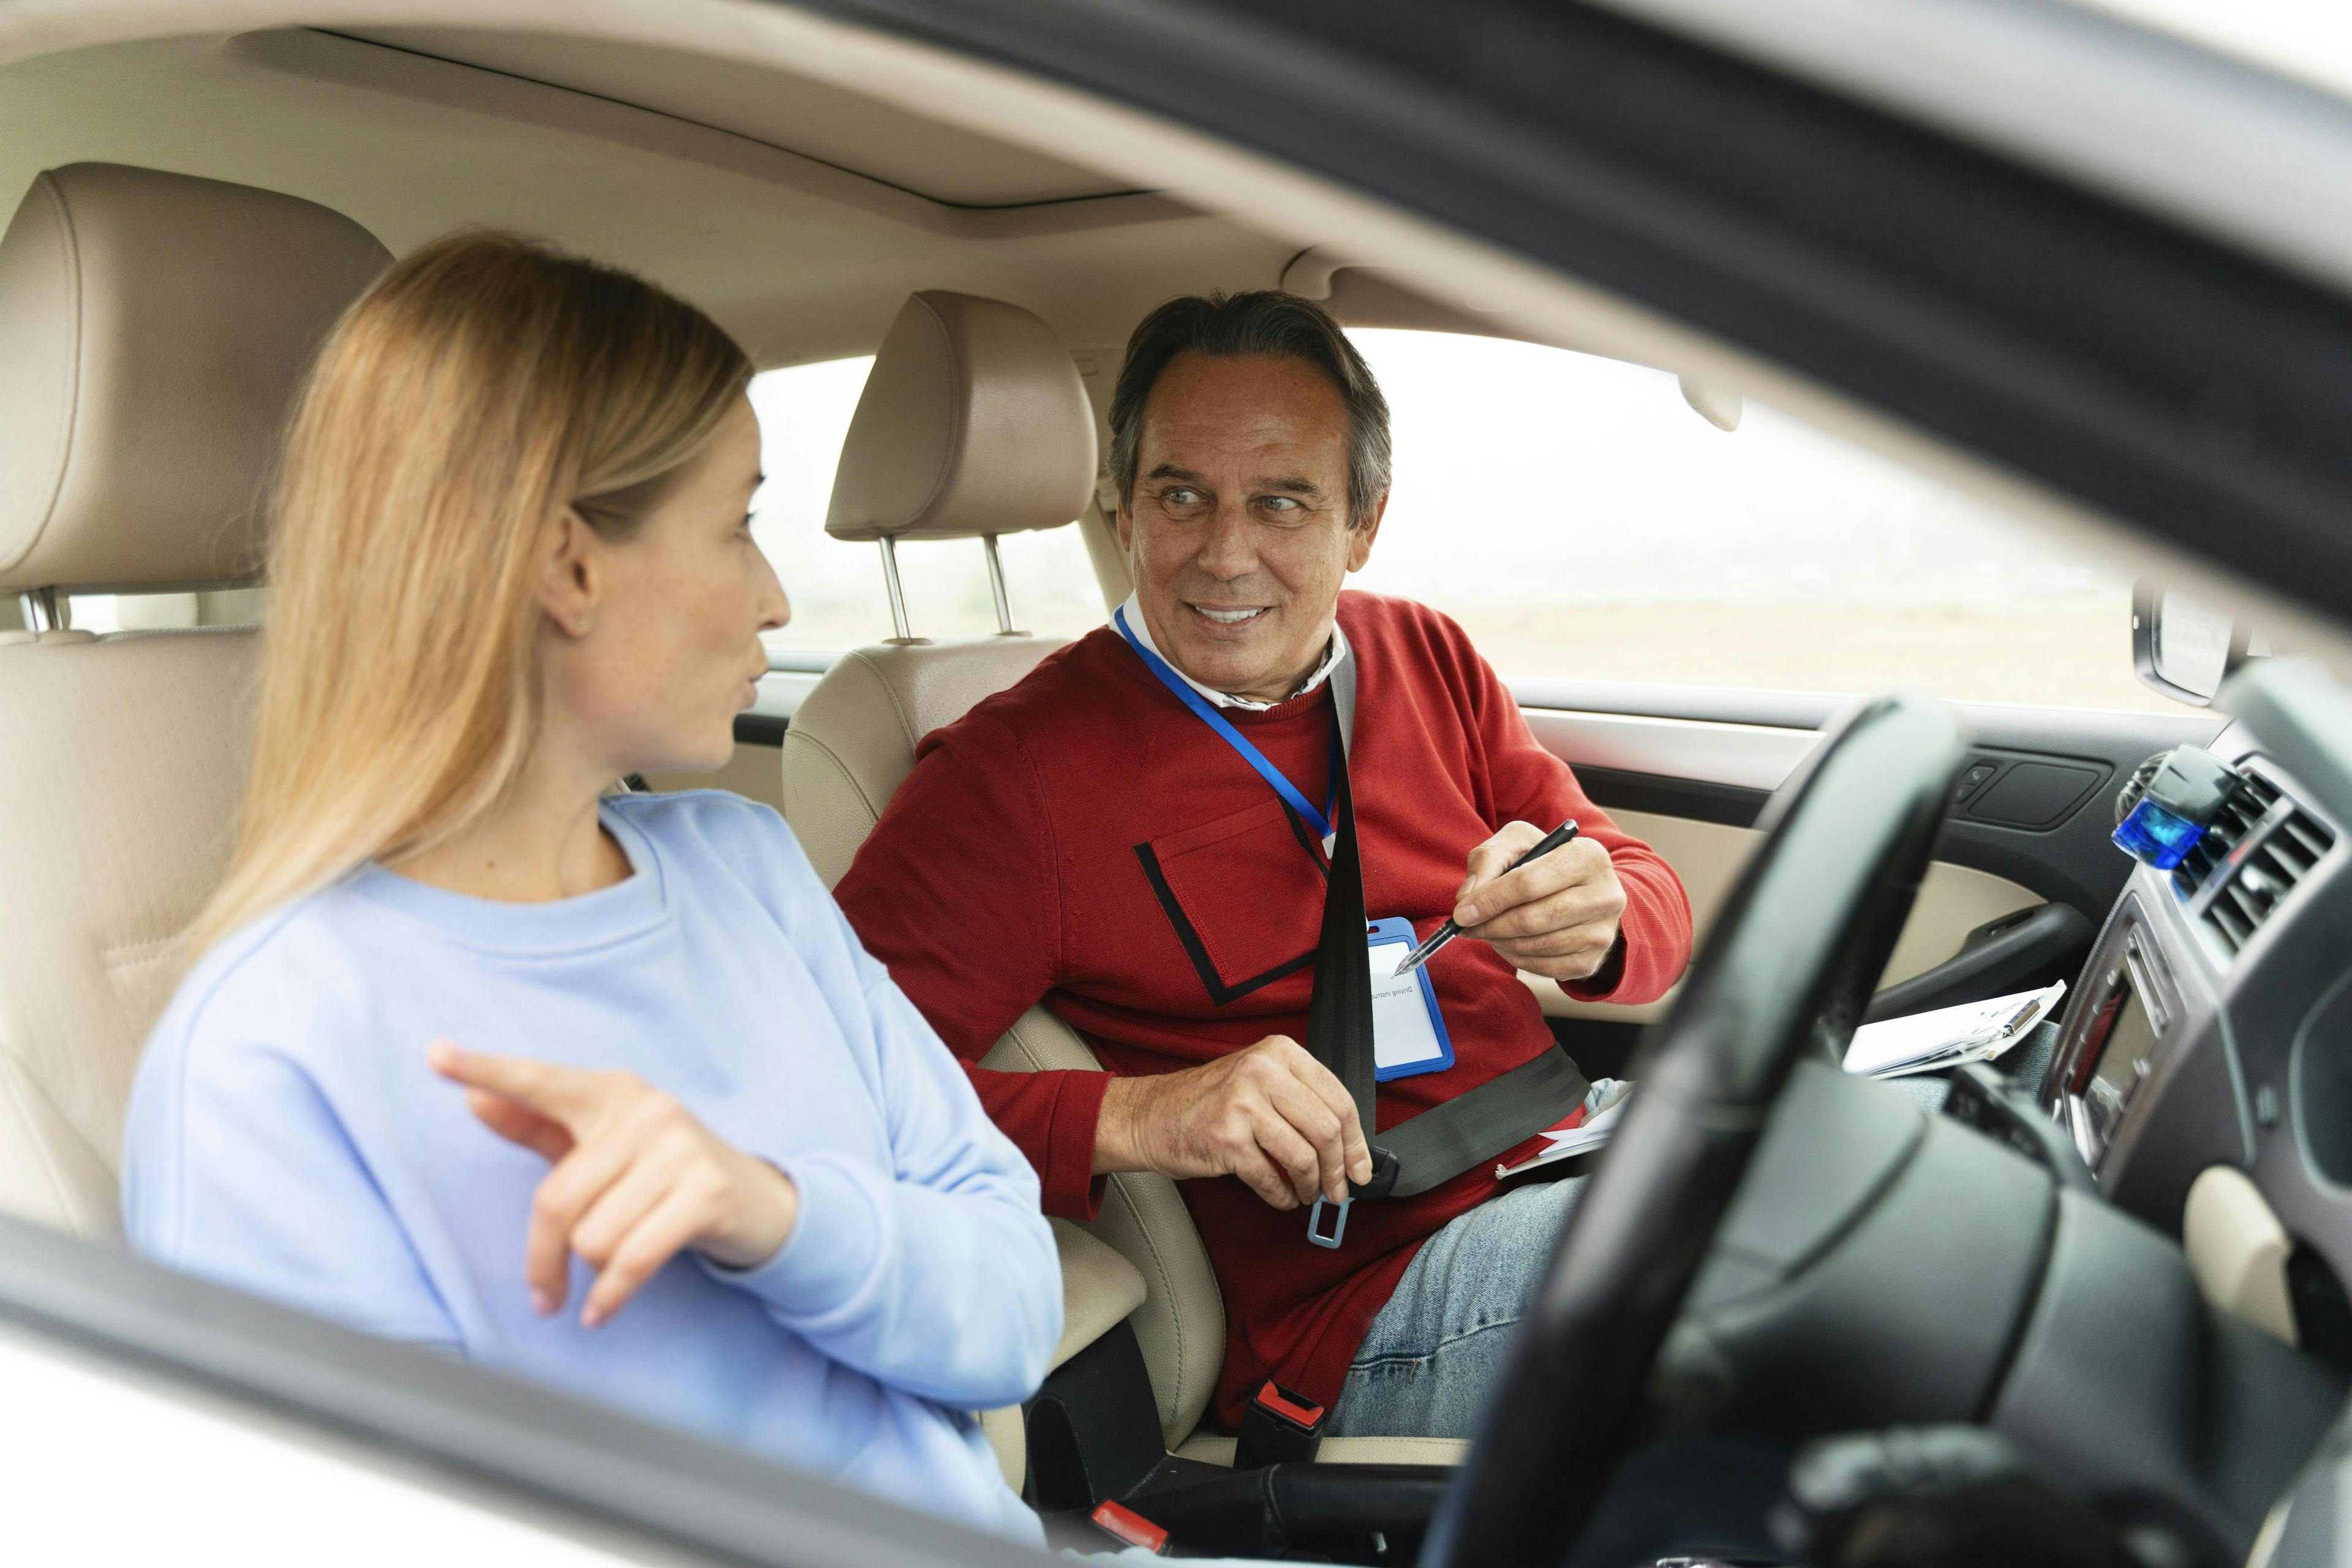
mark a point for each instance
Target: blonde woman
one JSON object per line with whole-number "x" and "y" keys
{"x": 599, "y": 1089}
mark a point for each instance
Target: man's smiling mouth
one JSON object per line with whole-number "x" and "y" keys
{"x": 1228, "y": 617}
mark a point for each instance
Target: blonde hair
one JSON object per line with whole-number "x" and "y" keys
{"x": 483, "y": 385}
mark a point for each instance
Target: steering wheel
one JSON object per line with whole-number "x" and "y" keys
{"x": 1795, "y": 953}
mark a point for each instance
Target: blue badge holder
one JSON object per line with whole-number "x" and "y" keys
{"x": 1384, "y": 933}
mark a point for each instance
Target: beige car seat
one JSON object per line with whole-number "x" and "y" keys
{"x": 154, "y": 330}
{"x": 974, "y": 422}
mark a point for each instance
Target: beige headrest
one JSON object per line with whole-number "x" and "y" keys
{"x": 154, "y": 331}
{"x": 973, "y": 421}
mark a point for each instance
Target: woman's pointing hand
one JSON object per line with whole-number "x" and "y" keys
{"x": 636, "y": 1179}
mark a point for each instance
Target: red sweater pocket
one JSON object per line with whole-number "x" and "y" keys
{"x": 1244, "y": 894}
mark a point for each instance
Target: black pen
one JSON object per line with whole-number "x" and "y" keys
{"x": 1449, "y": 931}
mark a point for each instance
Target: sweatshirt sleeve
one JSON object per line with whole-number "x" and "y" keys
{"x": 1530, "y": 785}
{"x": 236, "y": 1168}
{"x": 938, "y": 1275}
{"x": 968, "y": 919}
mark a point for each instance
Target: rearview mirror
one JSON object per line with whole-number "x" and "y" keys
{"x": 2182, "y": 646}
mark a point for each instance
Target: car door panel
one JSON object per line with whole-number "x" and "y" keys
{"x": 1690, "y": 768}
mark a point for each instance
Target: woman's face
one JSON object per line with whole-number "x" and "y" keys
{"x": 662, "y": 649}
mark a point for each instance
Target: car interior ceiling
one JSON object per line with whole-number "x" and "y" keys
{"x": 1881, "y": 1264}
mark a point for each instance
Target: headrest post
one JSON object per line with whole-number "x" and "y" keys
{"x": 898, "y": 595}
{"x": 40, "y": 610}
{"x": 996, "y": 588}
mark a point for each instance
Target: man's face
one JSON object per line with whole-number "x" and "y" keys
{"x": 1237, "y": 529}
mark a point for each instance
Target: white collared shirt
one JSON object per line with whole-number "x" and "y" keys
{"x": 1332, "y": 657}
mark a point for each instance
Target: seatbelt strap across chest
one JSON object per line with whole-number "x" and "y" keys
{"x": 1446, "y": 1139}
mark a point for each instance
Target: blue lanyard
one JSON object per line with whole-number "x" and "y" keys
{"x": 1320, "y": 821}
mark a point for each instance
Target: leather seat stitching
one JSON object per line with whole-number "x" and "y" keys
{"x": 898, "y": 705}
{"x": 810, "y": 743}
{"x": 125, "y": 954}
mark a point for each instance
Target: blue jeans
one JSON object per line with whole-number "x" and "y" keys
{"x": 1427, "y": 1367}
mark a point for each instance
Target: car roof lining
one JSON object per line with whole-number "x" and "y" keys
{"x": 813, "y": 119}
{"x": 800, "y": 257}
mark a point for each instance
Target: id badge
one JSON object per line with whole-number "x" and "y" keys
{"x": 1408, "y": 1031}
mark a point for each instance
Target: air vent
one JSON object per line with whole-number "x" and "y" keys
{"x": 2257, "y": 849}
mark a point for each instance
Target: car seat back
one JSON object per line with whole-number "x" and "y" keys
{"x": 154, "y": 331}
{"x": 974, "y": 422}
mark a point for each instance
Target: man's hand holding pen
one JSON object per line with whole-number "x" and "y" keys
{"x": 1556, "y": 916}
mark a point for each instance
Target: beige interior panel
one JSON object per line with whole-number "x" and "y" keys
{"x": 1953, "y": 901}
{"x": 2238, "y": 1250}
{"x": 817, "y": 120}
{"x": 1215, "y": 1448}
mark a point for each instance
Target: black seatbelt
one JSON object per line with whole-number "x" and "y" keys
{"x": 1445, "y": 1140}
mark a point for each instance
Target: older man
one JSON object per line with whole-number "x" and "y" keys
{"x": 1141, "y": 834}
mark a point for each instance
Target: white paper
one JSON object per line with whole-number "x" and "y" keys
{"x": 1590, "y": 1133}
{"x": 1611, "y": 1095}
{"x": 1402, "y": 1030}
{"x": 1973, "y": 1031}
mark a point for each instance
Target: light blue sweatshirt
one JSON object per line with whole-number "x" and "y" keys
{"x": 287, "y": 1137}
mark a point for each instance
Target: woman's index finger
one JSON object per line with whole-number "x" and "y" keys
{"x": 559, "y": 1093}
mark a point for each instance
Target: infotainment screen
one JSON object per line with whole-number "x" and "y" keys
{"x": 2121, "y": 1063}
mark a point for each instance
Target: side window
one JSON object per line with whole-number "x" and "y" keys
{"x": 1621, "y": 536}
{"x": 836, "y": 588}
{"x": 166, "y": 611}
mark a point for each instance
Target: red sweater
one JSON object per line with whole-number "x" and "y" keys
{"x": 1084, "y": 840}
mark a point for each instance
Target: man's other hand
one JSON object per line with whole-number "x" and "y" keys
{"x": 1270, "y": 1114}
{"x": 1555, "y": 916}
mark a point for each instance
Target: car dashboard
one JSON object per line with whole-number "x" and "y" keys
{"x": 2212, "y": 1022}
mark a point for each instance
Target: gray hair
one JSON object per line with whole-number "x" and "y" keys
{"x": 1263, "y": 322}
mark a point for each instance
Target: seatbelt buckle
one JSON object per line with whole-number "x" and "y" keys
{"x": 1124, "y": 1525}
{"x": 1278, "y": 1428}
{"x": 1385, "y": 1167}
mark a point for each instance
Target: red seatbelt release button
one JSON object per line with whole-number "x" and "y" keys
{"x": 1124, "y": 1524}
{"x": 1295, "y": 1411}
{"x": 1278, "y": 1428}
